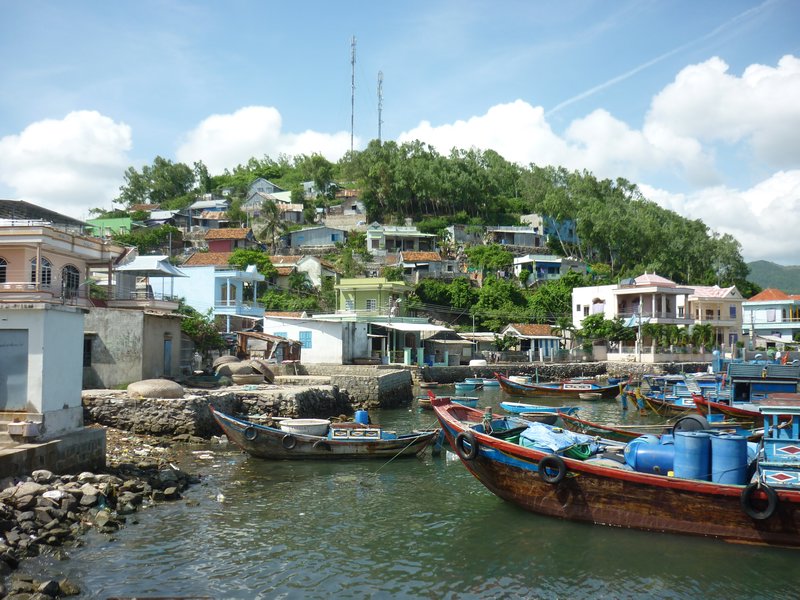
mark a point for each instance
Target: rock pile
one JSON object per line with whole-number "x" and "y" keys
{"x": 46, "y": 512}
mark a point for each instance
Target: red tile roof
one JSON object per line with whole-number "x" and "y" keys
{"x": 208, "y": 259}
{"x": 531, "y": 329}
{"x": 421, "y": 256}
{"x": 770, "y": 294}
{"x": 227, "y": 234}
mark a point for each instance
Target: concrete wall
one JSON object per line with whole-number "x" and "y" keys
{"x": 155, "y": 330}
{"x": 83, "y": 450}
{"x": 129, "y": 346}
{"x": 326, "y": 337}
{"x": 368, "y": 386}
{"x": 117, "y": 349}
{"x": 55, "y": 350}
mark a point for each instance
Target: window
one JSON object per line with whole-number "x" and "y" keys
{"x": 45, "y": 273}
{"x": 305, "y": 339}
{"x": 578, "y": 308}
{"x": 281, "y": 334}
{"x": 3, "y": 267}
{"x": 87, "y": 351}
{"x": 372, "y": 304}
{"x": 586, "y": 311}
{"x": 70, "y": 280}
{"x": 349, "y": 304}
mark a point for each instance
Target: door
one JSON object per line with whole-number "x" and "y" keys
{"x": 167, "y": 358}
{"x": 14, "y": 369}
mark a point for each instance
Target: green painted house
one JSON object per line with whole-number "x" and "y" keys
{"x": 372, "y": 296}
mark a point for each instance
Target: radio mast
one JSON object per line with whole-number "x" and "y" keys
{"x": 352, "y": 88}
{"x": 380, "y": 103}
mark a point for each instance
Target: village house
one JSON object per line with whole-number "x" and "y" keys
{"x": 546, "y": 267}
{"x": 230, "y": 239}
{"x": 388, "y": 239}
{"x": 650, "y": 298}
{"x": 517, "y": 238}
{"x": 315, "y": 269}
{"x": 45, "y": 261}
{"x": 213, "y": 284}
{"x": 316, "y": 237}
{"x": 537, "y": 341}
{"x": 771, "y": 318}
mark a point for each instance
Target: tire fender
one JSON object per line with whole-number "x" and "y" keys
{"x": 288, "y": 441}
{"x": 747, "y": 501}
{"x": 462, "y": 440}
{"x": 250, "y": 433}
{"x": 552, "y": 469}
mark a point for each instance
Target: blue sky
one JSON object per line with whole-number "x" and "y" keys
{"x": 697, "y": 102}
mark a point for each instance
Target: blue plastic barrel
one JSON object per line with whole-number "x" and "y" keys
{"x": 646, "y": 454}
{"x": 692, "y": 455}
{"x": 362, "y": 417}
{"x": 728, "y": 458}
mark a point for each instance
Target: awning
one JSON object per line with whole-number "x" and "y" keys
{"x": 412, "y": 326}
{"x": 151, "y": 266}
{"x": 633, "y": 321}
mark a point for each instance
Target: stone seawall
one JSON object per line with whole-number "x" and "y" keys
{"x": 368, "y": 386}
{"x": 557, "y": 371}
{"x": 190, "y": 415}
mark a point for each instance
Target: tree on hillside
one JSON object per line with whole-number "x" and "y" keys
{"x": 489, "y": 258}
{"x": 270, "y": 225}
{"x": 162, "y": 183}
{"x": 242, "y": 258}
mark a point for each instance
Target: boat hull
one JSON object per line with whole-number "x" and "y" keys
{"x": 593, "y": 493}
{"x": 577, "y": 425}
{"x": 268, "y": 442}
{"x": 565, "y": 389}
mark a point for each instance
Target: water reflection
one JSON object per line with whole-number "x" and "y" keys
{"x": 412, "y": 528}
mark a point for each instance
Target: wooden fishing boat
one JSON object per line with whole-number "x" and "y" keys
{"x": 523, "y": 407}
{"x": 744, "y": 411}
{"x": 471, "y": 401}
{"x": 568, "y": 388}
{"x": 671, "y": 406}
{"x": 490, "y": 382}
{"x": 425, "y": 402}
{"x": 602, "y": 491}
{"x": 610, "y": 432}
{"x": 468, "y": 386}
{"x": 343, "y": 440}
{"x": 428, "y": 384}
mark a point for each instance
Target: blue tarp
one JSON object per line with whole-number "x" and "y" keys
{"x": 554, "y": 439}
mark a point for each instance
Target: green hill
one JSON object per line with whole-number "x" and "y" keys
{"x": 770, "y": 275}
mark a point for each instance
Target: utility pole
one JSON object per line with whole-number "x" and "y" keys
{"x": 380, "y": 103}
{"x": 352, "y": 88}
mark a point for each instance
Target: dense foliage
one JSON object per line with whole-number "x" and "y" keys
{"x": 200, "y": 329}
{"x": 620, "y": 233}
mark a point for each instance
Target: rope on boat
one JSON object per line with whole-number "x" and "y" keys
{"x": 403, "y": 449}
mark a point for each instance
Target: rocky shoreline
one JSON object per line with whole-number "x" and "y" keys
{"x": 49, "y": 513}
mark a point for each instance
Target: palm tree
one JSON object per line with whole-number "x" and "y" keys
{"x": 565, "y": 330}
{"x": 271, "y": 226}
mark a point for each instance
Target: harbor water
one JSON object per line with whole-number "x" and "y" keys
{"x": 408, "y": 528}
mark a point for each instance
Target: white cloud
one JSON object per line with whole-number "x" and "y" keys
{"x": 764, "y": 218}
{"x": 517, "y": 131}
{"x": 760, "y": 107}
{"x": 225, "y": 141}
{"x": 68, "y": 165}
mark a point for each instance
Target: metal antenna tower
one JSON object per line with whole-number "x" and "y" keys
{"x": 352, "y": 88}
{"x": 380, "y": 103}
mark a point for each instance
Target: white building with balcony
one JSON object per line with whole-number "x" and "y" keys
{"x": 212, "y": 284}
{"x": 44, "y": 277}
{"x": 771, "y": 317}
